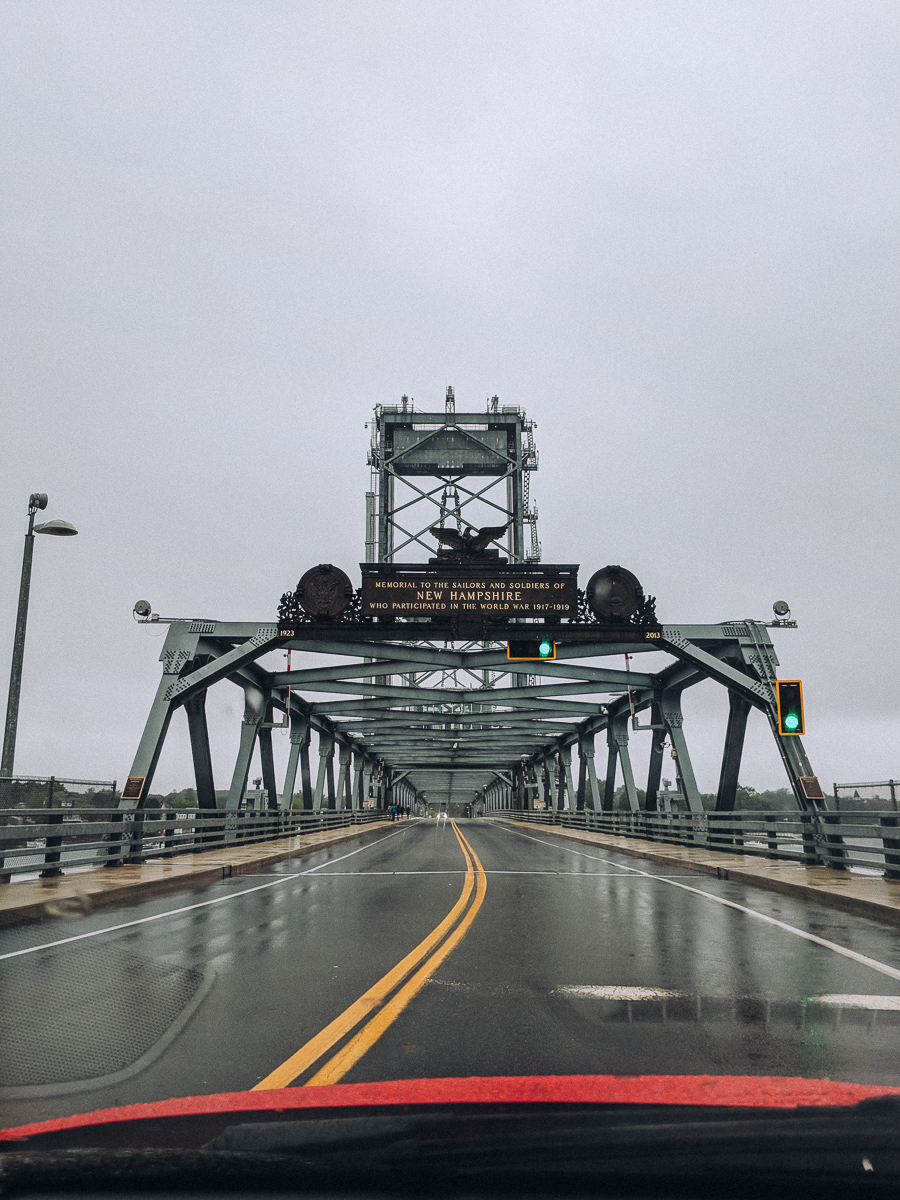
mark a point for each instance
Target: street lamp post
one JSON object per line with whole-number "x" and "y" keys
{"x": 36, "y": 501}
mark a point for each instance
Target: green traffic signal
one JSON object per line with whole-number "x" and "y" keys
{"x": 530, "y": 649}
{"x": 789, "y": 695}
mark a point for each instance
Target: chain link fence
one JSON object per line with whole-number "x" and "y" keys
{"x": 866, "y": 797}
{"x": 50, "y": 791}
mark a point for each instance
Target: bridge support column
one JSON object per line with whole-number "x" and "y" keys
{"x": 549, "y": 781}
{"x": 738, "y": 711}
{"x": 657, "y": 746}
{"x": 326, "y": 760}
{"x": 612, "y": 762}
{"x": 267, "y": 760}
{"x": 344, "y": 797}
{"x": 673, "y": 719}
{"x": 299, "y": 743}
{"x": 195, "y": 708}
{"x": 370, "y": 786}
{"x": 151, "y": 743}
{"x": 588, "y": 785}
{"x": 620, "y": 735}
{"x": 255, "y": 705}
{"x": 359, "y": 764}
{"x": 567, "y": 792}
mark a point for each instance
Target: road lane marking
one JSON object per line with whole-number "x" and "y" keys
{"x": 316, "y": 1047}
{"x": 863, "y": 959}
{"x": 614, "y": 992}
{"x": 875, "y": 1003}
{"x": 174, "y": 912}
{"x": 347, "y": 1057}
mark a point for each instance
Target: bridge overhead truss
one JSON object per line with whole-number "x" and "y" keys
{"x": 531, "y": 744}
{"x": 417, "y": 707}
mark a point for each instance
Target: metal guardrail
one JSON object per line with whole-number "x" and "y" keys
{"x": 58, "y": 840}
{"x": 867, "y": 842}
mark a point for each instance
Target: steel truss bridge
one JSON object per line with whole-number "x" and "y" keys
{"x": 430, "y": 708}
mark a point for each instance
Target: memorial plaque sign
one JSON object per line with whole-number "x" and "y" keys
{"x": 405, "y": 590}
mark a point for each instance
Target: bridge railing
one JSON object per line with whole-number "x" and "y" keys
{"x": 865, "y": 842}
{"x": 66, "y": 839}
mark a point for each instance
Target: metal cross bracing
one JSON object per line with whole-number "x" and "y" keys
{"x": 519, "y": 746}
{"x": 466, "y": 468}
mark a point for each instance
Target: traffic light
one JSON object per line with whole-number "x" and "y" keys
{"x": 530, "y": 649}
{"x": 790, "y": 707}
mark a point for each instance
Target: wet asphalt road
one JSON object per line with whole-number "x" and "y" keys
{"x": 579, "y": 961}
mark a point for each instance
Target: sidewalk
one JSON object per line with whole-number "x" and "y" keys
{"x": 81, "y": 892}
{"x": 865, "y": 896}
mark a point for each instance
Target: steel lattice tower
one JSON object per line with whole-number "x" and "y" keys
{"x": 466, "y": 468}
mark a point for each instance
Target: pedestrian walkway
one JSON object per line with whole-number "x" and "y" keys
{"x": 80, "y": 892}
{"x": 866, "y": 896}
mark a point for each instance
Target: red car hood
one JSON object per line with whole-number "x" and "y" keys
{"x": 750, "y": 1091}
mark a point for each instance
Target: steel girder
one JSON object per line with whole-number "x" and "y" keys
{"x": 517, "y": 740}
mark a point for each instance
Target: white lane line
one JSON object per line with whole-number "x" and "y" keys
{"x": 879, "y": 1003}
{"x": 618, "y": 992}
{"x": 612, "y": 992}
{"x": 174, "y": 912}
{"x": 864, "y": 959}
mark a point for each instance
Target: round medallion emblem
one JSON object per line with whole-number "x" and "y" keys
{"x": 613, "y": 594}
{"x": 324, "y": 591}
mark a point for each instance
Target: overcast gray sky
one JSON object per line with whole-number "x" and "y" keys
{"x": 668, "y": 230}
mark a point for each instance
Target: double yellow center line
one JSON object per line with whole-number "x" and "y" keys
{"x": 382, "y": 1004}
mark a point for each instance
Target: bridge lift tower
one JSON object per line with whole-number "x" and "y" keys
{"x": 466, "y": 468}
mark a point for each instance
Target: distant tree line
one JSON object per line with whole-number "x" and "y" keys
{"x": 35, "y": 794}
{"x": 748, "y": 799}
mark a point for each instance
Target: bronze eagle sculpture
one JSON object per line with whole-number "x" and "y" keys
{"x": 468, "y": 542}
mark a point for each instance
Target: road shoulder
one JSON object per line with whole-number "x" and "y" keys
{"x": 861, "y": 895}
{"x": 81, "y": 892}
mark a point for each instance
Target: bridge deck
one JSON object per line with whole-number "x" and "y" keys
{"x": 75, "y": 893}
{"x": 413, "y": 952}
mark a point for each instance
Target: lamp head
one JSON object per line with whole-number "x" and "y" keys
{"x": 59, "y": 528}
{"x": 143, "y": 608}
{"x": 781, "y": 608}
{"x": 37, "y": 500}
